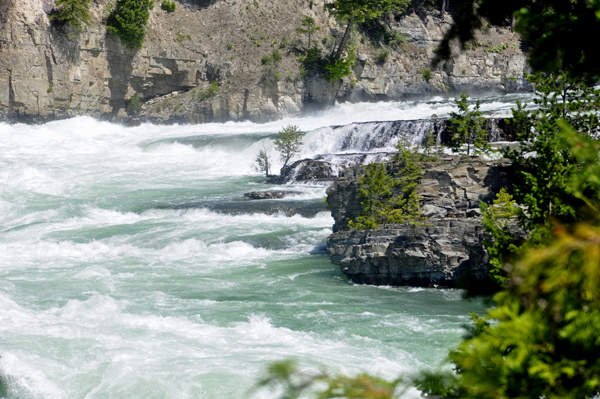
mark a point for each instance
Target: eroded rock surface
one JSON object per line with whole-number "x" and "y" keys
{"x": 447, "y": 246}
{"x": 48, "y": 73}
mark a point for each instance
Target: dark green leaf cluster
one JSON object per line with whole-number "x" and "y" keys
{"x": 467, "y": 128}
{"x": 328, "y": 67}
{"x": 337, "y": 69}
{"x": 389, "y": 200}
{"x": 128, "y": 21}
{"x": 168, "y": 6}
{"x": 74, "y": 13}
{"x": 134, "y": 105}
{"x": 498, "y": 220}
{"x": 543, "y": 164}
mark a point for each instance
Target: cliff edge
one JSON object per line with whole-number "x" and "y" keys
{"x": 48, "y": 72}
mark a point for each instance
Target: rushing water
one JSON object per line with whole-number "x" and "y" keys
{"x": 118, "y": 279}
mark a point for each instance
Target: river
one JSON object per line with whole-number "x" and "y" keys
{"x": 131, "y": 266}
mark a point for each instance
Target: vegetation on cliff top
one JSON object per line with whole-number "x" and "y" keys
{"x": 128, "y": 21}
{"x": 389, "y": 200}
{"x": 74, "y": 13}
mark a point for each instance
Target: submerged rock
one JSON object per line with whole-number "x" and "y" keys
{"x": 261, "y": 195}
{"x": 305, "y": 170}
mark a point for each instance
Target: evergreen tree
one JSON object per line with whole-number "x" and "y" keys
{"x": 308, "y": 27}
{"x": 351, "y": 11}
{"x": 128, "y": 21}
{"x": 74, "y": 13}
{"x": 386, "y": 200}
{"x": 467, "y": 127}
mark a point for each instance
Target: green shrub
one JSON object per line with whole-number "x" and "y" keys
{"x": 340, "y": 68}
{"x": 497, "y": 49}
{"x": 382, "y": 55}
{"x": 128, "y": 21}
{"x": 168, "y": 6}
{"x": 209, "y": 92}
{"x": 134, "y": 105}
{"x": 427, "y": 74}
{"x": 49, "y": 90}
{"x": 74, "y": 13}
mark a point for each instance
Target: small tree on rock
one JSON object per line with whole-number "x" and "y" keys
{"x": 308, "y": 28}
{"x": 74, "y": 13}
{"x": 262, "y": 163}
{"x": 288, "y": 143}
{"x": 468, "y": 127}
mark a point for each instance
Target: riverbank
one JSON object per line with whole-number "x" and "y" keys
{"x": 202, "y": 63}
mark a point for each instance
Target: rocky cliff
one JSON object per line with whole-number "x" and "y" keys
{"x": 47, "y": 72}
{"x": 447, "y": 246}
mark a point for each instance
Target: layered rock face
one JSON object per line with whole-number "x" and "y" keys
{"x": 47, "y": 72}
{"x": 447, "y": 246}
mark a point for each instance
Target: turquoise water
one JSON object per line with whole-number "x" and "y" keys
{"x": 118, "y": 279}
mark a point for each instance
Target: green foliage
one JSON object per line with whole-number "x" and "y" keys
{"x": 168, "y": 6}
{"x": 382, "y": 55}
{"x": 467, "y": 128}
{"x": 556, "y": 31}
{"x": 497, "y": 220}
{"x": 288, "y": 143}
{"x": 386, "y": 200}
{"x": 308, "y": 28}
{"x": 272, "y": 58}
{"x": 497, "y": 49}
{"x": 128, "y": 21}
{"x": 262, "y": 163}
{"x": 364, "y": 10}
{"x": 270, "y": 62}
{"x": 427, "y": 74}
{"x": 49, "y": 90}
{"x": 74, "y": 13}
{"x": 134, "y": 105}
{"x": 360, "y": 11}
{"x": 328, "y": 67}
{"x": 542, "y": 181}
{"x": 294, "y": 383}
{"x": 428, "y": 145}
{"x": 209, "y": 92}
{"x": 543, "y": 341}
{"x": 337, "y": 69}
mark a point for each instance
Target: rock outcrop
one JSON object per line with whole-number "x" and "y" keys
{"x": 433, "y": 255}
{"x": 445, "y": 247}
{"x": 47, "y": 72}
